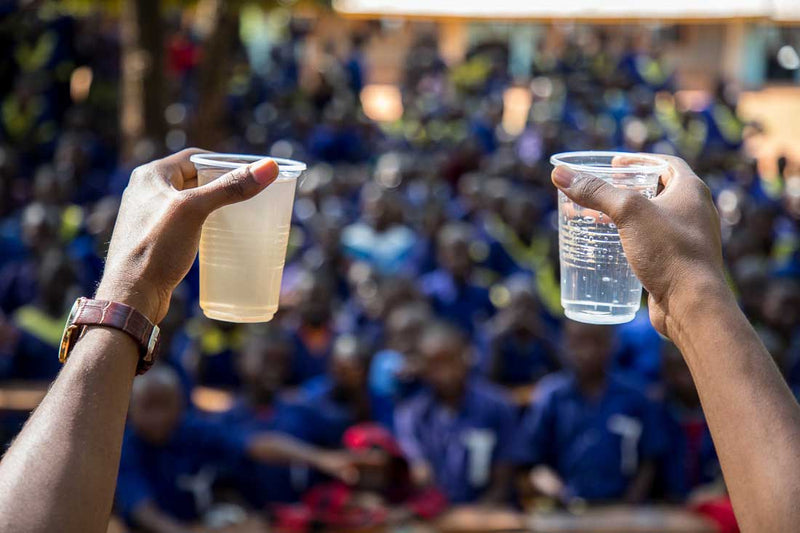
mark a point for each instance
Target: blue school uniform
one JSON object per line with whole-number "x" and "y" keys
{"x": 177, "y": 476}
{"x": 638, "y": 354}
{"x": 35, "y": 353}
{"x": 461, "y": 447}
{"x": 261, "y": 483}
{"x": 307, "y": 364}
{"x": 595, "y": 445}
{"x": 515, "y": 361}
{"x": 690, "y": 459}
{"x": 386, "y": 388}
{"x": 465, "y": 305}
{"x": 331, "y": 416}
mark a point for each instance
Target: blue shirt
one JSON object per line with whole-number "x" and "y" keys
{"x": 262, "y": 483}
{"x": 177, "y": 476}
{"x": 386, "y": 387}
{"x": 638, "y": 354}
{"x": 517, "y": 361}
{"x": 690, "y": 459}
{"x": 331, "y": 415}
{"x": 596, "y": 446}
{"x": 466, "y": 305}
{"x": 390, "y": 251}
{"x": 307, "y": 364}
{"x": 461, "y": 447}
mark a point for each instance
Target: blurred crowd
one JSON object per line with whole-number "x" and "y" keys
{"x": 420, "y": 358}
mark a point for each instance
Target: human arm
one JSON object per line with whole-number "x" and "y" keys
{"x": 59, "y": 474}
{"x": 641, "y": 484}
{"x": 148, "y": 517}
{"x": 501, "y": 478}
{"x": 673, "y": 245}
{"x": 502, "y": 467}
{"x": 278, "y": 448}
{"x": 405, "y": 421}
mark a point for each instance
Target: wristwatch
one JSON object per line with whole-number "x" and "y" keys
{"x": 87, "y": 312}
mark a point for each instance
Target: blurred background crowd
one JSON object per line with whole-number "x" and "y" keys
{"x": 420, "y": 358}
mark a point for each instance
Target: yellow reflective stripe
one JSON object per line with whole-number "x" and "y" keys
{"x": 549, "y": 289}
{"x": 729, "y": 126}
{"x": 212, "y": 341}
{"x": 31, "y": 58}
{"x": 42, "y": 326}
{"x": 71, "y": 220}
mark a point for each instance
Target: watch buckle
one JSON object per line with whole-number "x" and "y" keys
{"x": 69, "y": 333}
{"x": 151, "y": 344}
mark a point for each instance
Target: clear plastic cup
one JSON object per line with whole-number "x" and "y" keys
{"x": 243, "y": 245}
{"x": 597, "y": 283}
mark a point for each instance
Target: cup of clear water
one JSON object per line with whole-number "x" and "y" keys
{"x": 597, "y": 283}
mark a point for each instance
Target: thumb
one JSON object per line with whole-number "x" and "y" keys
{"x": 595, "y": 193}
{"x": 237, "y": 185}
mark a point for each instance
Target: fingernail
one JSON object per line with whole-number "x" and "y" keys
{"x": 562, "y": 177}
{"x": 264, "y": 171}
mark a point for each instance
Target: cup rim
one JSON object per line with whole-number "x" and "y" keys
{"x": 651, "y": 163}
{"x": 218, "y": 160}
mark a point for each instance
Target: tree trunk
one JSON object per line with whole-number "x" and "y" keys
{"x": 142, "y": 85}
{"x": 222, "y": 26}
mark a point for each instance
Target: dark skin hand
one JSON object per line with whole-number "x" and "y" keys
{"x": 60, "y": 473}
{"x": 674, "y": 247}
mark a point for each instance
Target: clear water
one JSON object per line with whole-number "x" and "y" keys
{"x": 597, "y": 283}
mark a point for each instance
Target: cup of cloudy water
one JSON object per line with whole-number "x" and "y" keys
{"x": 597, "y": 283}
{"x": 243, "y": 245}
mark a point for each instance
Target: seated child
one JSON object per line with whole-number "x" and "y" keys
{"x": 457, "y": 433}
{"x": 171, "y": 457}
{"x": 690, "y": 460}
{"x": 384, "y": 493}
{"x": 341, "y": 398}
{"x": 589, "y": 435}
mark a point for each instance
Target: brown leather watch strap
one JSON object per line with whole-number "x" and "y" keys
{"x": 115, "y": 315}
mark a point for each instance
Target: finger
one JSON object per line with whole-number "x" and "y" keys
{"x": 679, "y": 171}
{"x": 349, "y": 475}
{"x": 595, "y": 193}
{"x": 642, "y": 160}
{"x": 235, "y": 186}
{"x": 182, "y": 171}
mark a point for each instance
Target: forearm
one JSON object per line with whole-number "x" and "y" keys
{"x": 278, "y": 448}
{"x": 641, "y": 484}
{"x": 67, "y": 455}
{"x": 149, "y": 518}
{"x": 546, "y": 482}
{"x": 752, "y": 415}
{"x": 498, "y": 490}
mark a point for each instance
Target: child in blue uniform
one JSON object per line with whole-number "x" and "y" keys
{"x": 341, "y": 398}
{"x": 263, "y": 367}
{"x": 314, "y": 334}
{"x": 520, "y": 348}
{"x": 171, "y": 458}
{"x": 32, "y": 354}
{"x": 690, "y": 460}
{"x": 457, "y": 433}
{"x": 589, "y": 435}
{"x": 453, "y": 293}
{"x": 394, "y": 370}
